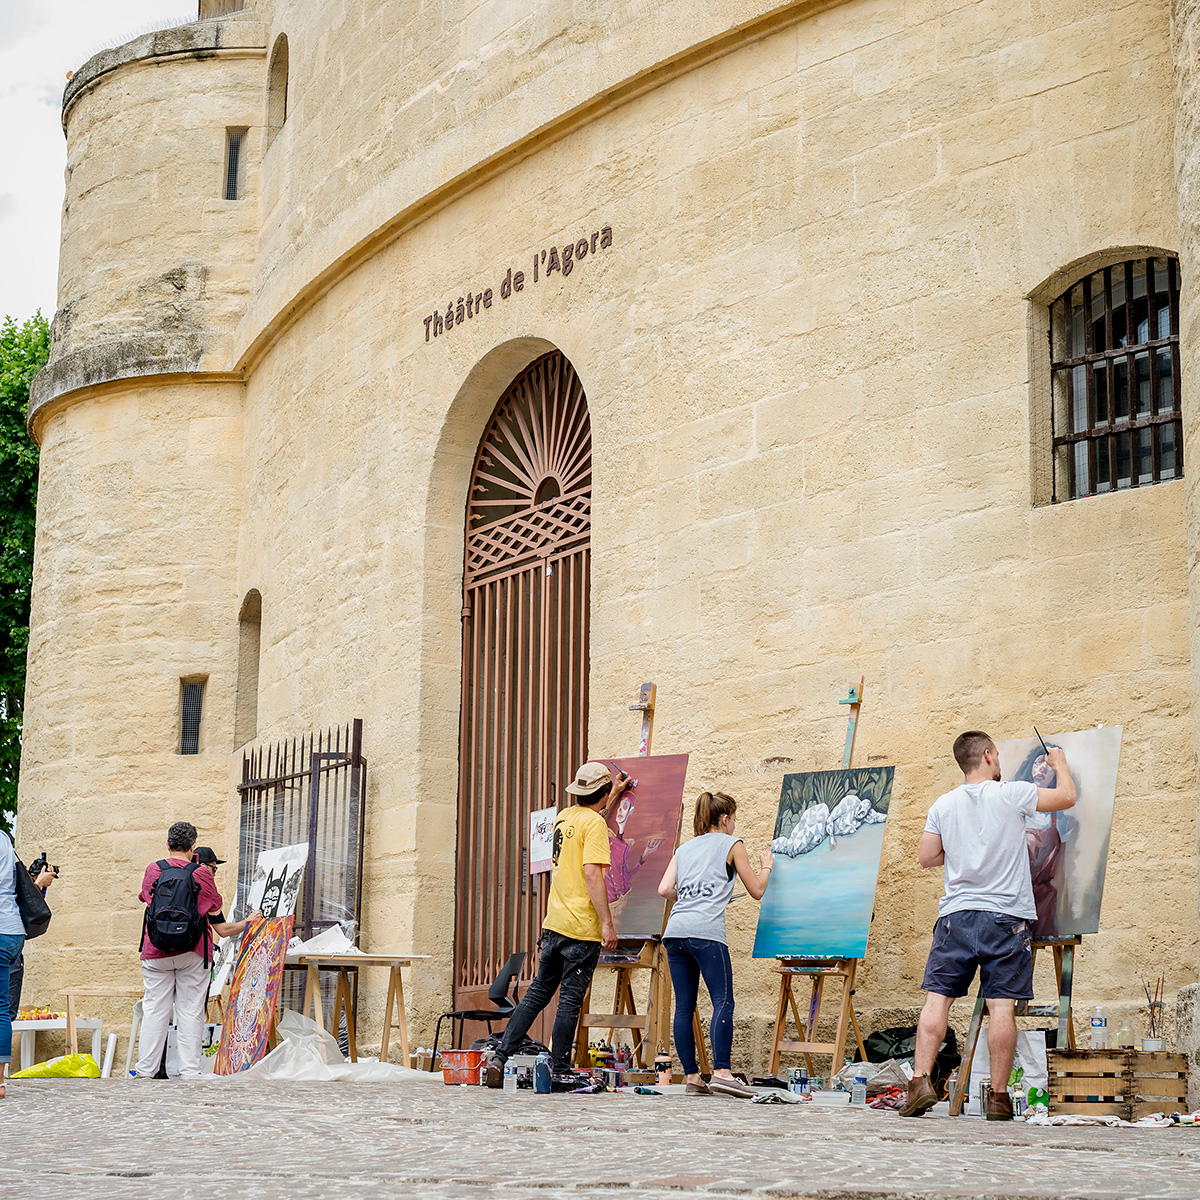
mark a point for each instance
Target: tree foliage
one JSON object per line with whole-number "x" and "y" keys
{"x": 24, "y": 348}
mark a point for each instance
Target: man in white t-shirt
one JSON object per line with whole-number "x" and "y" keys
{"x": 977, "y": 832}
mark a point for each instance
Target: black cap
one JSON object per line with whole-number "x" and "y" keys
{"x": 205, "y": 854}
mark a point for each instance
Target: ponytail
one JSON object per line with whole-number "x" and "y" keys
{"x": 710, "y": 808}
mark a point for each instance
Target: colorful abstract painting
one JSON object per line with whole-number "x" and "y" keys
{"x": 253, "y": 995}
{"x": 643, "y": 829}
{"x": 1068, "y": 851}
{"x": 828, "y": 839}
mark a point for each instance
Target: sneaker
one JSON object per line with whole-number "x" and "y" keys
{"x": 921, "y": 1097}
{"x": 730, "y": 1087}
{"x": 495, "y": 1072}
{"x": 999, "y": 1107}
{"x": 698, "y": 1089}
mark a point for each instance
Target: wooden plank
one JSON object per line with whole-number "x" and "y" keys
{"x": 809, "y": 1048}
{"x": 1158, "y": 1087}
{"x": 1075, "y": 1085}
{"x": 1159, "y": 1060}
{"x": 615, "y": 1021}
{"x": 1146, "y": 1107}
{"x": 1082, "y": 1109}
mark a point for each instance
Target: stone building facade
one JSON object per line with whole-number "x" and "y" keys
{"x": 815, "y": 354}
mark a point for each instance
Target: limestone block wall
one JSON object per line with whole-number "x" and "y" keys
{"x": 808, "y": 360}
{"x": 156, "y": 265}
{"x": 811, "y": 364}
{"x": 133, "y": 590}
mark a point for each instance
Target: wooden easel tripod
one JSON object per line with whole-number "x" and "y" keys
{"x": 819, "y": 970}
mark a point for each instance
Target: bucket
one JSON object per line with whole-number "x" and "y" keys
{"x": 462, "y": 1066}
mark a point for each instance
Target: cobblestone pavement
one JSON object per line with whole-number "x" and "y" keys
{"x": 127, "y": 1140}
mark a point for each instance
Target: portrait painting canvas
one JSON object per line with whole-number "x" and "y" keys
{"x": 1068, "y": 850}
{"x": 275, "y": 883}
{"x": 253, "y": 995}
{"x": 643, "y": 829}
{"x": 828, "y": 839}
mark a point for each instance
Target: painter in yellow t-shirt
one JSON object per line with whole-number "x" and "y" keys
{"x": 580, "y": 836}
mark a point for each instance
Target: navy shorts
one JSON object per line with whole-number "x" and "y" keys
{"x": 995, "y": 944}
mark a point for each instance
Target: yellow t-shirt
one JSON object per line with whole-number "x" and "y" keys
{"x": 580, "y": 836}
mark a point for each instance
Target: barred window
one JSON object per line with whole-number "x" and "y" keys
{"x": 191, "y": 710}
{"x": 1114, "y": 350}
{"x": 235, "y": 166}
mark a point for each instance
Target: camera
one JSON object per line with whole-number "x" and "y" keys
{"x": 39, "y": 865}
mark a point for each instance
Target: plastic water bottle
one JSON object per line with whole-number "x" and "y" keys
{"x": 541, "y": 1073}
{"x": 1099, "y": 1029}
{"x": 510, "y": 1077}
{"x": 858, "y": 1093}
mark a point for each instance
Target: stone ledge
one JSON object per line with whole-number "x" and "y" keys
{"x": 200, "y": 39}
{"x": 106, "y": 362}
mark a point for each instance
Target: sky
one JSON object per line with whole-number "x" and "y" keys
{"x": 40, "y": 41}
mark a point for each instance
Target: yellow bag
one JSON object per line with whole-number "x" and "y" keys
{"x": 70, "y": 1066}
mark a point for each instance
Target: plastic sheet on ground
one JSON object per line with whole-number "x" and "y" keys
{"x": 69, "y": 1066}
{"x": 308, "y": 1052}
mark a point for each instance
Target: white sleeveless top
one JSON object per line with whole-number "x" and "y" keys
{"x": 704, "y": 883}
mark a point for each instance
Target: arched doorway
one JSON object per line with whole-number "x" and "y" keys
{"x": 526, "y": 584}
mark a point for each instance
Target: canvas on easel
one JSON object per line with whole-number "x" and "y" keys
{"x": 643, "y": 829}
{"x": 827, "y": 845}
{"x": 1068, "y": 850}
{"x": 253, "y": 995}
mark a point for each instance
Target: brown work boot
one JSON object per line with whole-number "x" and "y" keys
{"x": 999, "y": 1107}
{"x": 921, "y": 1097}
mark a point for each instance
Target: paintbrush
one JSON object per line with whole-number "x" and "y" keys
{"x": 1045, "y": 748}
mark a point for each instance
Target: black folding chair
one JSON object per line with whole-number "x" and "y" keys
{"x": 497, "y": 994}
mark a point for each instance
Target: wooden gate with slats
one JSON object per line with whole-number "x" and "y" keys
{"x": 526, "y": 585}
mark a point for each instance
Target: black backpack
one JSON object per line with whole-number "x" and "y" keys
{"x": 173, "y": 922}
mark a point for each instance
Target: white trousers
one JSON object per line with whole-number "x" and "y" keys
{"x": 180, "y": 981}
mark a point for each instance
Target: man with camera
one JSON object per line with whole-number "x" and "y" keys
{"x": 12, "y": 942}
{"x": 43, "y": 875}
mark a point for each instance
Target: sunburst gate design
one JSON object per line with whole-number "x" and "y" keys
{"x": 531, "y": 490}
{"x": 253, "y": 994}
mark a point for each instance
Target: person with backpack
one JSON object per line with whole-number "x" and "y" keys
{"x": 12, "y": 941}
{"x": 180, "y": 895}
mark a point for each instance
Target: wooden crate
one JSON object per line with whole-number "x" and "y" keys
{"x": 1117, "y": 1083}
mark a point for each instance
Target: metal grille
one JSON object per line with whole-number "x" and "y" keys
{"x": 191, "y": 708}
{"x": 233, "y": 163}
{"x": 1114, "y": 348}
{"x": 525, "y": 659}
{"x": 312, "y": 789}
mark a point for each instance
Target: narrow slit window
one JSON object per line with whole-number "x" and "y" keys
{"x": 191, "y": 710}
{"x": 234, "y": 167}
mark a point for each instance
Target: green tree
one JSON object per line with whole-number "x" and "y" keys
{"x": 23, "y": 351}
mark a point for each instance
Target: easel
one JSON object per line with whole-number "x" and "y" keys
{"x": 1063, "y": 950}
{"x": 655, "y": 1024}
{"x": 818, "y": 970}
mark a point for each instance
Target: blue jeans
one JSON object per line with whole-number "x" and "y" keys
{"x": 689, "y": 958}
{"x": 565, "y": 966}
{"x": 11, "y": 945}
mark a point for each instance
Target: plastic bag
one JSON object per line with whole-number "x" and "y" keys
{"x": 879, "y": 1076}
{"x": 1028, "y": 1069}
{"x": 69, "y": 1066}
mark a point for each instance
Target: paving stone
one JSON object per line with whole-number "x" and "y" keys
{"x": 240, "y": 1140}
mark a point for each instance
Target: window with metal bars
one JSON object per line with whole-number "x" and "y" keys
{"x": 1114, "y": 350}
{"x": 234, "y": 168}
{"x": 191, "y": 709}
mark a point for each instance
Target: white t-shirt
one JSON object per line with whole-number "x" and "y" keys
{"x": 982, "y": 827}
